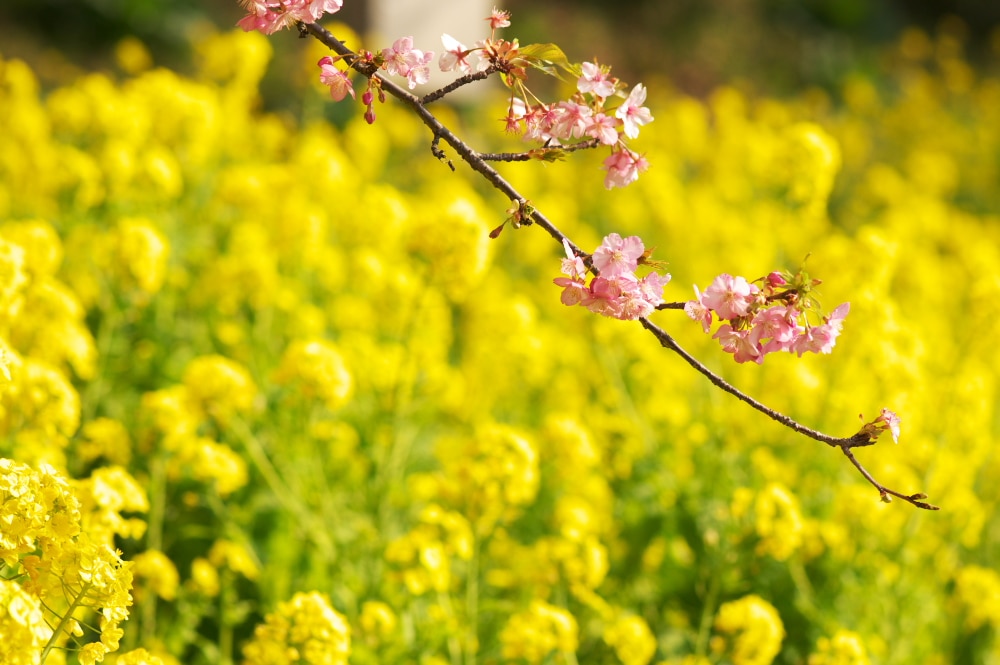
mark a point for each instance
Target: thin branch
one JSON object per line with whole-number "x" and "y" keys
{"x": 458, "y": 83}
{"x": 668, "y": 342}
{"x": 477, "y": 161}
{"x": 884, "y": 491}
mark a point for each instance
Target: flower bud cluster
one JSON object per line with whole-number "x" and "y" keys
{"x": 615, "y": 291}
{"x": 767, "y": 318}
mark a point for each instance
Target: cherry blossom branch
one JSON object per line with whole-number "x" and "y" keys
{"x": 524, "y": 213}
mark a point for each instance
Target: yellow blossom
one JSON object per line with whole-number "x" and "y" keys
{"x": 844, "y": 648}
{"x": 219, "y": 386}
{"x": 22, "y": 623}
{"x": 317, "y": 370}
{"x": 155, "y": 572}
{"x": 235, "y": 557}
{"x": 978, "y": 590}
{"x": 753, "y": 630}
{"x": 305, "y": 630}
{"x": 632, "y": 640}
{"x": 541, "y": 631}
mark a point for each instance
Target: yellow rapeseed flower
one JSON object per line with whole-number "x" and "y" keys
{"x": 305, "y": 630}
{"x": 540, "y": 632}
{"x": 632, "y": 640}
{"x": 844, "y": 648}
{"x": 154, "y": 572}
{"x": 22, "y": 624}
{"x": 753, "y": 631}
{"x": 316, "y": 369}
{"x": 220, "y": 387}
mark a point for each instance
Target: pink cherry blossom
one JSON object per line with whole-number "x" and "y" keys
{"x": 822, "y": 338}
{"x": 420, "y": 72}
{"x": 623, "y": 167}
{"x": 651, "y": 286}
{"x": 604, "y": 297}
{"x": 632, "y": 113}
{"x": 730, "y": 297}
{"x": 738, "y": 343}
{"x": 595, "y": 81}
{"x": 890, "y": 421}
{"x": 338, "y": 81}
{"x": 573, "y": 265}
{"x": 603, "y": 128}
{"x": 617, "y": 256}
{"x": 574, "y": 291}
{"x": 778, "y": 325}
{"x": 455, "y": 55}
{"x": 617, "y": 292}
{"x": 499, "y": 18}
{"x": 269, "y": 16}
{"x": 401, "y": 59}
{"x": 698, "y": 311}
{"x": 571, "y": 120}
{"x": 633, "y": 302}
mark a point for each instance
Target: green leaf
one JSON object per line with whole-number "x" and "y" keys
{"x": 545, "y": 57}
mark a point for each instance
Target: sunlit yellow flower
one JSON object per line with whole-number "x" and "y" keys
{"x": 632, "y": 640}
{"x": 204, "y": 577}
{"x": 541, "y": 631}
{"x": 844, "y": 648}
{"x": 109, "y": 492}
{"x": 139, "y": 255}
{"x": 978, "y": 590}
{"x": 316, "y": 369}
{"x": 138, "y": 657}
{"x": 753, "y": 630}
{"x": 305, "y": 630}
{"x": 154, "y": 572}
{"x": 377, "y": 620}
{"x": 219, "y": 386}
{"x": 104, "y": 438}
{"x": 235, "y": 557}
{"x": 425, "y": 553}
{"x": 22, "y": 624}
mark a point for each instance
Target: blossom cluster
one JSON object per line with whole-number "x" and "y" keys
{"x": 764, "y": 319}
{"x": 615, "y": 291}
{"x": 269, "y": 16}
{"x": 583, "y": 116}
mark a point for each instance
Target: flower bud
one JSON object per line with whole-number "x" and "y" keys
{"x": 367, "y": 99}
{"x": 774, "y": 280}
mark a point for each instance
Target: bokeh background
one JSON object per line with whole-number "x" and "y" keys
{"x": 270, "y": 354}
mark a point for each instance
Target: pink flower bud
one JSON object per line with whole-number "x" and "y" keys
{"x": 774, "y": 280}
{"x": 367, "y": 98}
{"x": 370, "y": 116}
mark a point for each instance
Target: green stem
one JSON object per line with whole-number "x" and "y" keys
{"x": 314, "y": 528}
{"x": 707, "y": 612}
{"x": 66, "y": 617}
{"x": 472, "y": 606}
{"x": 454, "y": 644}
{"x": 154, "y": 538}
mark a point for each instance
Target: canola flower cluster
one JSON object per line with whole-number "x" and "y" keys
{"x": 271, "y": 393}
